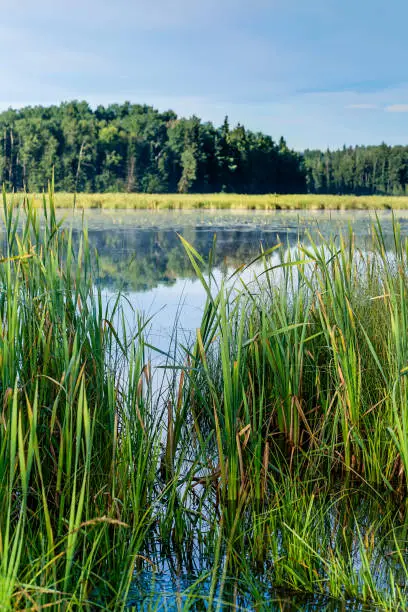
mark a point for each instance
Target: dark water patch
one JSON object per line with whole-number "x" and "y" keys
{"x": 191, "y": 592}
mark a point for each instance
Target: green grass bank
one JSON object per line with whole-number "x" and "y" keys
{"x": 275, "y": 452}
{"x": 136, "y": 201}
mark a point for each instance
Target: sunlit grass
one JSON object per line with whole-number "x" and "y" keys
{"x": 225, "y": 201}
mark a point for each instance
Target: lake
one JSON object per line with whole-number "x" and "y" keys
{"x": 140, "y": 252}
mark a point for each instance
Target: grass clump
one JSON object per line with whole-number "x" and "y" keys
{"x": 311, "y": 361}
{"x": 74, "y": 497}
{"x": 273, "y": 464}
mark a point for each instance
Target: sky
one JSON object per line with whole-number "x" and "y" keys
{"x": 322, "y": 73}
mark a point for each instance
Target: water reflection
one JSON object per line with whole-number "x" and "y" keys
{"x": 184, "y": 579}
{"x": 142, "y": 259}
{"x": 140, "y": 253}
{"x": 141, "y": 250}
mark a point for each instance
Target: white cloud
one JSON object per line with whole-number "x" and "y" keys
{"x": 397, "y": 108}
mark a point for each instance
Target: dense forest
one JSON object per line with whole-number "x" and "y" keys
{"x": 130, "y": 147}
{"x": 358, "y": 170}
{"x": 135, "y": 148}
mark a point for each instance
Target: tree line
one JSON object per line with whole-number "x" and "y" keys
{"x": 135, "y": 148}
{"x": 132, "y": 147}
{"x": 381, "y": 170}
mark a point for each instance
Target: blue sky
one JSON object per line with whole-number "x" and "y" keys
{"x": 320, "y": 72}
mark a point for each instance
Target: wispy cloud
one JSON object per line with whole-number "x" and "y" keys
{"x": 397, "y": 108}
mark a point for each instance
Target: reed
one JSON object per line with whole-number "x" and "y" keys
{"x": 311, "y": 362}
{"x": 275, "y": 455}
{"x": 75, "y": 492}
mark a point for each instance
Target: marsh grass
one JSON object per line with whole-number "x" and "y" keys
{"x": 274, "y": 462}
{"x": 75, "y": 492}
{"x": 312, "y": 357}
{"x": 222, "y": 201}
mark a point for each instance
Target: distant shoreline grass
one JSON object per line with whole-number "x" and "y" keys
{"x": 224, "y": 201}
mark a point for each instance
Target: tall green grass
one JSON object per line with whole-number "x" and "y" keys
{"x": 275, "y": 458}
{"x": 300, "y": 375}
{"x": 311, "y": 364}
{"x": 77, "y": 470}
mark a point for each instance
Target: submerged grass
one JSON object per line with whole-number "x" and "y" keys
{"x": 275, "y": 462}
{"x": 221, "y": 201}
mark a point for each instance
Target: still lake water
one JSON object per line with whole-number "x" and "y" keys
{"x": 141, "y": 254}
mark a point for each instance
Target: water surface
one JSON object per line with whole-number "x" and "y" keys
{"x": 140, "y": 252}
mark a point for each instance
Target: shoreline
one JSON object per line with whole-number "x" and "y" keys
{"x": 270, "y": 202}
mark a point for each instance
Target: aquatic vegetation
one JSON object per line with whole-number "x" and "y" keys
{"x": 220, "y": 201}
{"x": 268, "y": 463}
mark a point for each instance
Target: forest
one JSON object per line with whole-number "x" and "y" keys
{"x": 135, "y": 148}
{"x": 381, "y": 170}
